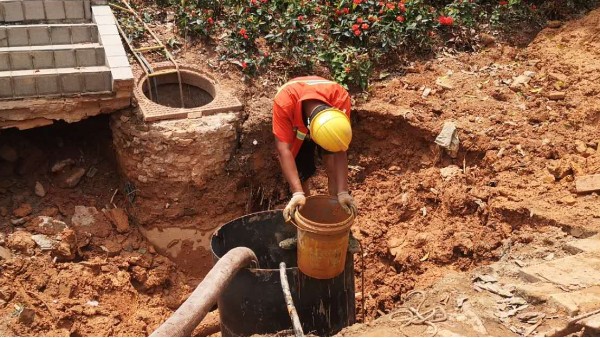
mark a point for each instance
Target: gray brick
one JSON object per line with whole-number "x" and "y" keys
{"x": 5, "y": 86}
{"x": 115, "y": 50}
{"x": 117, "y": 61}
{"x": 20, "y": 60}
{"x": 4, "y": 62}
{"x": 39, "y": 36}
{"x": 24, "y": 85}
{"x": 60, "y": 35}
{"x": 86, "y": 57}
{"x": 65, "y": 58}
{"x": 81, "y": 34}
{"x": 47, "y": 84}
{"x": 97, "y": 82}
{"x": 74, "y": 9}
{"x": 54, "y": 10}
{"x": 71, "y": 82}
{"x": 102, "y": 10}
{"x": 100, "y": 57}
{"x": 17, "y": 36}
{"x": 43, "y": 59}
{"x": 13, "y": 12}
{"x": 108, "y": 29}
{"x": 34, "y": 10}
{"x": 3, "y": 37}
{"x": 87, "y": 7}
{"x": 94, "y": 34}
{"x": 121, "y": 73}
{"x": 104, "y": 19}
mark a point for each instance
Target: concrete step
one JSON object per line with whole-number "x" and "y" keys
{"x": 51, "y": 56}
{"x": 47, "y": 11}
{"x": 48, "y": 34}
{"x": 581, "y": 270}
{"x": 590, "y": 244}
{"x": 51, "y": 82}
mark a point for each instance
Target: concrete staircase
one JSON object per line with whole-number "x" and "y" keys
{"x": 60, "y": 49}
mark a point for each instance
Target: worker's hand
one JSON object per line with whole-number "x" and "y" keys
{"x": 297, "y": 201}
{"x": 347, "y": 202}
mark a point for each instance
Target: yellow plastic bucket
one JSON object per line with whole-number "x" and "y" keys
{"x": 323, "y": 231}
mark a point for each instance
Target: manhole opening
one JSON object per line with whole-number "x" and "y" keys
{"x": 165, "y": 90}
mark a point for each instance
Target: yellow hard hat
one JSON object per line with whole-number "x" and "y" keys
{"x": 330, "y": 128}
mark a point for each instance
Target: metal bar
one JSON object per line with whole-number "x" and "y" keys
{"x": 285, "y": 286}
{"x": 120, "y": 8}
{"x": 145, "y": 49}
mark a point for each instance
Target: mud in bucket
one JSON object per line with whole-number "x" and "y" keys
{"x": 323, "y": 233}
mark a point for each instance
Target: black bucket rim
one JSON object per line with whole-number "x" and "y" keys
{"x": 259, "y": 213}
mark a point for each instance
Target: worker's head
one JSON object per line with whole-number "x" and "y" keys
{"x": 330, "y": 128}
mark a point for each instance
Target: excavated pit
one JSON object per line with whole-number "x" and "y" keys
{"x": 165, "y": 90}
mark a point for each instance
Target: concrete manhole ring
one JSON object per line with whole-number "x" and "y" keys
{"x": 160, "y": 98}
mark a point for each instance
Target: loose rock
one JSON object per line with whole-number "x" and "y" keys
{"x": 26, "y": 316}
{"x": 70, "y": 178}
{"x": 556, "y": 95}
{"x": 118, "y": 218}
{"x": 59, "y": 166}
{"x": 5, "y": 254}
{"x": 23, "y": 210}
{"x": 39, "y": 189}
{"x": 47, "y": 225}
{"x": 21, "y": 241}
{"x": 44, "y": 242}
{"x": 90, "y": 220}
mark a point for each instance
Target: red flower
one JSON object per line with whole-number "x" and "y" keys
{"x": 400, "y": 18}
{"x": 390, "y": 6}
{"x": 533, "y": 7}
{"x": 446, "y": 20}
{"x": 300, "y": 17}
{"x": 359, "y": 20}
{"x": 244, "y": 65}
{"x": 253, "y": 2}
{"x": 347, "y": 69}
{"x": 264, "y": 1}
{"x": 503, "y": 3}
{"x": 401, "y": 7}
{"x": 364, "y": 26}
{"x": 242, "y": 31}
{"x": 355, "y": 27}
{"x": 357, "y": 2}
{"x": 357, "y": 32}
{"x": 210, "y": 21}
{"x": 346, "y": 10}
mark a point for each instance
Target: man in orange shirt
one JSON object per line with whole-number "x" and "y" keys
{"x": 312, "y": 113}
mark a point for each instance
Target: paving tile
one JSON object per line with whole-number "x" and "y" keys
{"x": 582, "y": 269}
{"x": 94, "y": 34}
{"x": 47, "y": 84}
{"x": 65, "y": 58}
{"x": 3, "y": 37}
{"x": 80, "y": 34}
{"x": 121, "y": 73}
{"x": 88, "y": 9}
{"x": 20, "y": 60}
{"x": 104, "y": 19}
{"x": 114, "y": 50}
{"x": 4, "y": 62}
{"x": 54, "y": 10}
{"x": 577, "y": 302}
{"x": 102, "y": 10}
{"x": 592, "y": 322}
{"x": 536, "y": 293}
{"x": 17, "y": 37}
{"x": 71, "y": 82}
{"x": 39, "y": 36}
{"x": 13, "y": 12}
{"x": 5, "y": 86}
{"x": 108, "y": 41}
{"x": 97, "y": 81}
{"x": 43, "y": 59}
{"x": 590, "y": 244}
{"x": 34, "y": 10}
{"x": 24, "y": 86}
{"x": 74, "y": 10}
{"x": 60, "y": 35}
{"x": 108, "y": 30}
{"x": 86, "y": 57}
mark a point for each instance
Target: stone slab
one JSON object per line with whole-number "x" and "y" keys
{"x": 4, "y": 62}
{"x": 592, "y": 322}
{"x": 81, "y": 34}
{"x": 5, "y": 87}
{"x": 13, "y": 11}
{"x": 589, "y": 183}
{"x": 43, "y": 59}
{"x": 34, "y": 10}
{"x": 74, "y": 10}
{"x": 47, "y": 84}
{"x": 17, "y": 37}
{"x": 54, "y": 10}
{"x": 39, "y": 35}
{"x": 20, "y": 61}
{"x": 97, "y": 81}
{"x": 536, "y": 293}
{"x": 60, "y": 35}
{"x": 65, "y": 59}
{"x": 591, "y": 244}
{"x": 581, "y": 269}
{"x": 24, "y": 86}
{"x": 577, "y": 302}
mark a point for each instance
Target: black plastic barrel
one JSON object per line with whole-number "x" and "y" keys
{"x": 254, "y": 304}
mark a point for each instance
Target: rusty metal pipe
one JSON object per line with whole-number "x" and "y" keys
{"x": 192, "y": 311}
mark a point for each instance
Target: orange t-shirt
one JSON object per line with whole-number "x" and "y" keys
{"x": 288, "y": 122}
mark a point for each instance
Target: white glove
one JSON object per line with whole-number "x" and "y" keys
{"x": 347, "y": 202}
{"x": 298, "y": 200}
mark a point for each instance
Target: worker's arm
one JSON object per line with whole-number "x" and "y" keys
{"x": 340, "y": 167}
{"x": 288, "y": 165}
